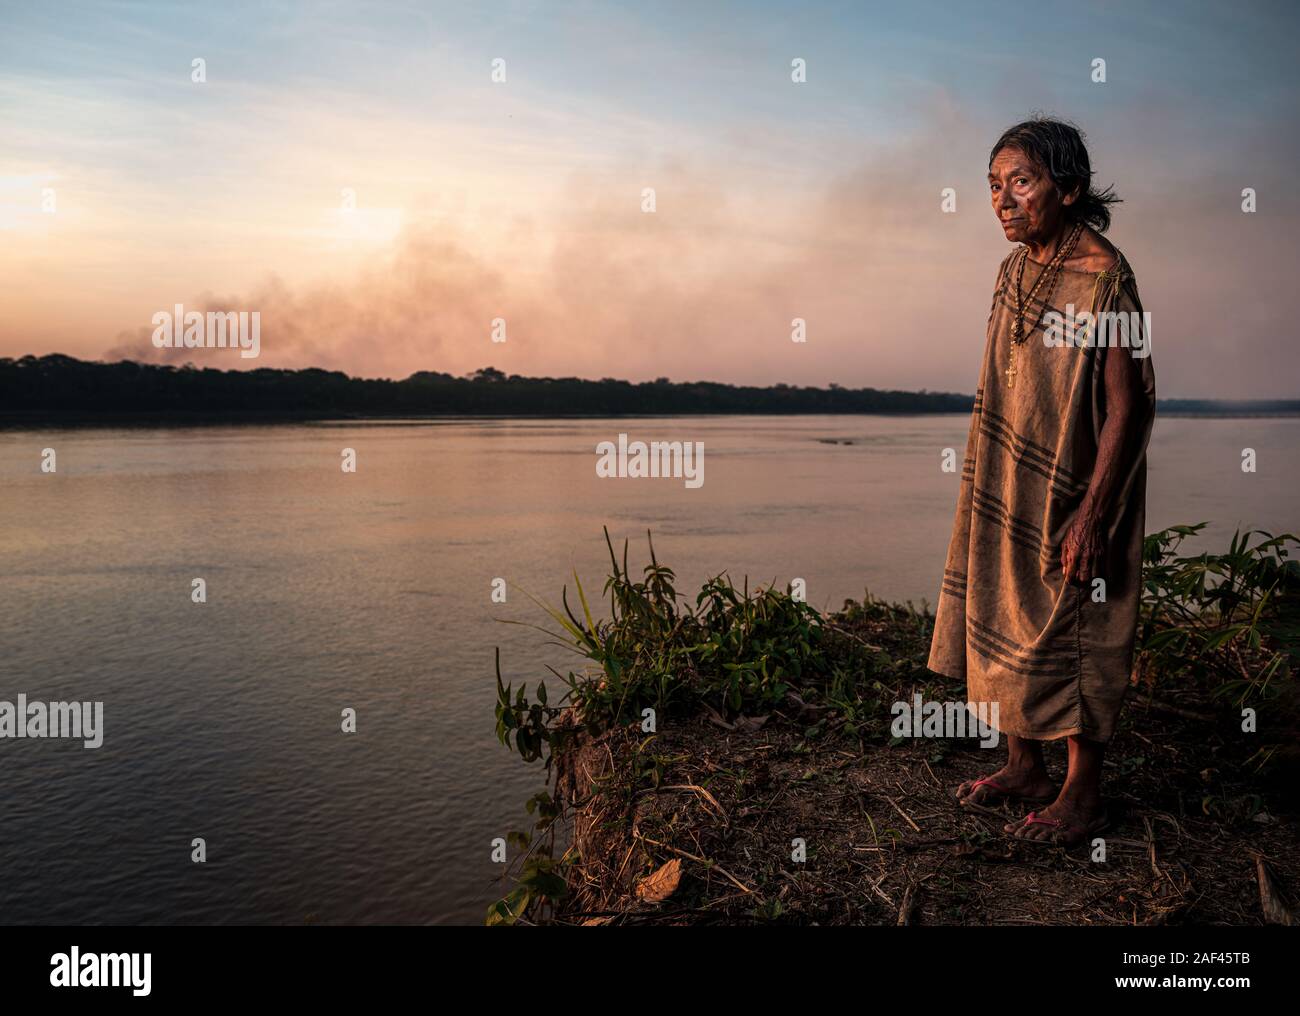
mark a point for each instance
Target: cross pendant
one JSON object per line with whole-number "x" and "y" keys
{"x": 1011, "y": 369}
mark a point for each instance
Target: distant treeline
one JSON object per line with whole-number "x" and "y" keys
{"x": 63, "y": 387}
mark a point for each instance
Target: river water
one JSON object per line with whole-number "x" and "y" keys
{"x": 372, "y": 591}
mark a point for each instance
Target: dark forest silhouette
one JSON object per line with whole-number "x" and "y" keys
{"x": 64, "y": 388}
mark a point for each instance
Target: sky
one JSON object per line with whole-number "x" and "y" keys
{"x": 354, "y": 173}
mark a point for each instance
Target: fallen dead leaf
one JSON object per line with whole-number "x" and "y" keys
{"x": 663, "y": 883}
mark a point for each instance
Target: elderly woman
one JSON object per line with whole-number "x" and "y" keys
{"x": 1039, "y": 600}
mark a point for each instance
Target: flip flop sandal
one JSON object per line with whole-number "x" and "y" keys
{"x": 1074, "y": 834}
{"x": 1006, "y": 794}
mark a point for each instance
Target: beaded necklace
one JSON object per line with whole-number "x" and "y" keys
{"x": 1054, "y": 268}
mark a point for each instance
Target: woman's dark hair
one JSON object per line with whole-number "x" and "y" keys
{"x": 1058, "y": 148}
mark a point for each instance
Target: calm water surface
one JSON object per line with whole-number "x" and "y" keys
{"x": 372, "y": 591}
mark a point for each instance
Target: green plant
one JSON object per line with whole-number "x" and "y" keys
{"x": 733, "y": 650}
{"x": 1226, "y": 619}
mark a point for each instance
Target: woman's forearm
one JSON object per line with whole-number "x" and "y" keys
{"x": 1111, "y": 461}
{"x": 1118, "y": 437}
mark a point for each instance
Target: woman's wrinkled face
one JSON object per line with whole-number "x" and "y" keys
{"x": 1027, "y": 202}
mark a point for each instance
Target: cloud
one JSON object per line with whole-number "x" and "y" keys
{"x": 706, "y": 284}
{"x": 894, "y": 292}
{"x": 398, "y": 313}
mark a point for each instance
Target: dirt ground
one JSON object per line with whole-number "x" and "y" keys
{"x": 887, "y": 843}
{"x": 698, "y": 824}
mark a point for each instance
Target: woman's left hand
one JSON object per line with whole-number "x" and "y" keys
{"x": 1083, "y": 550}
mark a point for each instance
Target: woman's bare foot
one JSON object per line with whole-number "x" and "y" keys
{"x": 1020, "y": 781}
{"x": 1066, "y": 822}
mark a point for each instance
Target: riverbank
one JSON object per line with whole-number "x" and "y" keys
{"x": 790, "y": 799}
{"x": 1196, "y": 838}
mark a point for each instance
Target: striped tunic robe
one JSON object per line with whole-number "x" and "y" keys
{"x": 1055, "y": 657}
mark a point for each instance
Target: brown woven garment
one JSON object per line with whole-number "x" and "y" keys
{"x": 1056, "y": 661}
